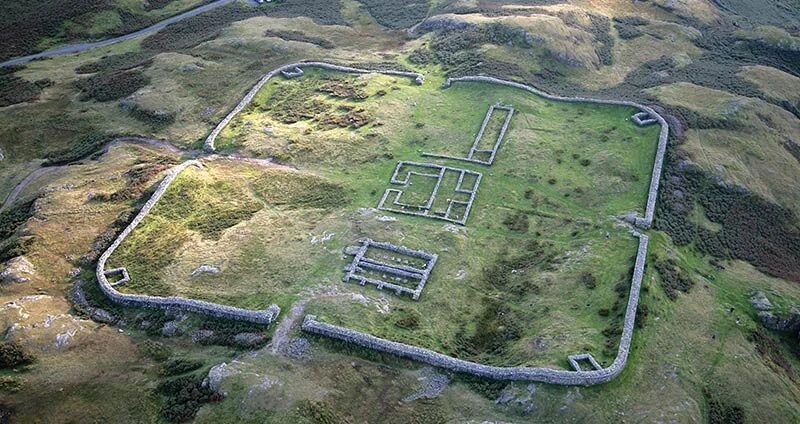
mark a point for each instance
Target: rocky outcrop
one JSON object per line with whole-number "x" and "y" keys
{"x": 17, "y": 270}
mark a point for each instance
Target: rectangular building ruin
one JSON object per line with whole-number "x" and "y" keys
{"x": 423, "y": 186}
{"x": 480, "y": 152}
{"x": 385, "y": 265}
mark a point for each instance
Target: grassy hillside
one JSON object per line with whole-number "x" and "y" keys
{"x": 725, "y": 74}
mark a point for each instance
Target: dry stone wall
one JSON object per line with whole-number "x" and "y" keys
{"x": 292, "y": 71}
{"x": 642, "y": 222}
{"x": 265, "y": 316}
{"x": 544, "y": 375}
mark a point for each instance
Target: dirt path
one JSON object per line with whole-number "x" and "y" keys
{"x": 75, "y": 48}
{"x": 281, "y": 335}
{"x": 163, "y": 144}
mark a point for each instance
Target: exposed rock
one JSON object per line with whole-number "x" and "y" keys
{"x": 201, "y": 336}
{"x": 351, "y": 250}
{"x": 101, "y": 315}
{"x": 170, "y": 329}
{"x": 204, "y": 269}
{"x": 433, "y": 384}
{"x": 249, "y": 339}
{"x": 760, "y": 301}
{"x": 2, "y": 156}
{"x": 386, "y": 218}
{"x": 780, "y": 323}
{"x": 299, "y": 348}
{"x": 218, "y": 373}
{"x": 62, "y": 339}
{"x": 17, "y": 270}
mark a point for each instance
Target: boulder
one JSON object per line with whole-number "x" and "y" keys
{"x": 759, "y": 301}
{"x": 17, "y": 270}
{"x": 204, "y": 269}
{"x": 249, "y": 339}
{"x": 170, "y": 329}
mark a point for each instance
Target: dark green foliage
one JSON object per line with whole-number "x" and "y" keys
{"x": 197, "y": 29}
{"x": 184, "y": 396}
{"x": 14, "y": 246}
{"x": 137, "y": 180}
{"x": 518, "y": 222}
{"x": 24, "y": 22}
{"x": 319, "y": 412}
{"x": 627, "y": 26}
{"x": 420, "y": 56}
{"x": 490, "y": 389}
{"x": 722, "y": 412}
{"x": 600, "y": 29}
{"x": 496, "y": 327}
{"x": 299, "y": 36}
{"x": 296, "y": 191}
{"x": 343, "y": 88}
{"x": 323, "y": 12}
{"x": 770, "y": 350}
{"x": 752, "y": 229}
{"x": 507, "y": 274}
{"x": 83, "y": 147}
{"x": 154, "y": 350}
{"x": 14, "y": 89}
{"x": 156, "y": 118}
{"x": 111, "y": 86}
{"x": 397, "y": 14}
{"x": 12, "y": 355}
{"x": 673, "y": 279}
{"x": 793, "y": 148}
{"x": 159, "y": 4}
{"x": 177, "y": 366}
{"x": 642, "y": 310}
{"x": 588, "y": 280}
{"x": 225, "y": 331}
{"x": 14, "y": 216}
{"x": 117, "y": 62}
{"x": 407, "y": 319}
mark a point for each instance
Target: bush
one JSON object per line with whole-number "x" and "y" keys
{"x": 627, "y": 26}
{"x": 84, "y": 147}
{"x": 396, "y": 15}
{"x": 117, "y": 62}
{"x": 192, "y": 31}
{"x": 588, "y": 280}
{"x": 721, "y": 412}
{"x": 180, "y": 366}
{"x": 323, "y": 12}
{"x": 299, "y": 36}
{"x": 184, "y": 396}
{"x": 517, "y": 222}
{"x": 14, "y": 89}
{"x": 104, "y": 87}
{"x": 673, "y": 279}
{"x": 319, "y": 412}
{"x": 12, "y": 355}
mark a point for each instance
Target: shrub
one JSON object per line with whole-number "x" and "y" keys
{"x": 299, "y": 190}
{"x": 14, "y": 89}
{"x": 588, "y": 280}
{"x": 180, "y": 366}
{"x": 104, "y": 87}
{"x": 83, "y": 147}
{"x": 721, "y": 412}
{"x": 600, "y": 29}
{"x": 12, "y": 355}
{"x": 323, "y": 12}
{"x": 517, "y": 222}
{"x": 407, "y": 319}
{"x": 184, "y": 396}
{"x": 319, "y": 412}
{"x": 299, "y": 36}
{"x": 673, "y": 279}
{"x": 192, "y": 31}
{"x": 396, "y": 15}
{"x": 117, "y": 62}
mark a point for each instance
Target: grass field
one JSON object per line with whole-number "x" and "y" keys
{"x": 562, "y": 174}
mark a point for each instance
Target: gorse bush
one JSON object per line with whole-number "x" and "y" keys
{"x": 396, "y": 14}
{"x": 299, "y": 36}
{"x": 117, "y": 62}
{"x": 13, "y": 354}
{"x": 83, "y": 147}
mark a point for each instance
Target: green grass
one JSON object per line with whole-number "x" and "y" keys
{"x": 486, "y": 270}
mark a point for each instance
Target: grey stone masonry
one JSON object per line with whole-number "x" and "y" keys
{"x": 123, "y": 273}
{"x": 393, "y": 267}
{"x": 292, "y": 71}
{"x": 474, "y": 150}
{"x": 265, "y": 316}
{"x": 391, "y": 199}
{"x": 577, "y": 376}
{"x": 644, "y": 222}
{"x": 643, "y": 119}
